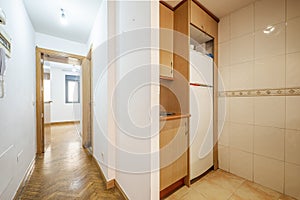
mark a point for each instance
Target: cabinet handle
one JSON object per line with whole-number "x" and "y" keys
{"x": 171, "y": 67}
{"x": 202, "y": 27}
{"x": 186, "y": 129}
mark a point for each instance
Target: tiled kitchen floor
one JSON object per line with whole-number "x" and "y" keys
{"x": 220, "y": 185}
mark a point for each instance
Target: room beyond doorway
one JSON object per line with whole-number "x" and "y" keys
{"x": 71, "y": 99}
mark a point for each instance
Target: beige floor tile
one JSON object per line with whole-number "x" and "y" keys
{"x": 221, "y": 185}
{"x": 252, "y": 191}
{"x": 193, "y": 195}
{"x": 211, "y": 191}
{"x": 225, "y": 180}
{"x": 284, "y": 197}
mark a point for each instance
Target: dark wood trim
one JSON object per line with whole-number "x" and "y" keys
{"x": 166, "y": 5}
{"x": 172, "y": 188}
{"x": 180, "y": 4}
{"x": 207, "y": 11}
{"x": 196, "y": 2}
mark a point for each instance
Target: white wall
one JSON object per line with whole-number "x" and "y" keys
{"x": 17, "y": 116}
{"x": 119, "y": 154}
{"x": 59, "y": 44}
{"x": 60, "y": 110}
{"x": 136, "y": 99}
{"x": 101, "y": 108}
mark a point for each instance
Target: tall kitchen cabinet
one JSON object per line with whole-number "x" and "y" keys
{"x": 174, "y": 88}
{"x": 166, "y": 24}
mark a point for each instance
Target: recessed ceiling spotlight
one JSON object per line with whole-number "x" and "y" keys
{"x": 269, "y": 29}
{"x": 63, "y": 18}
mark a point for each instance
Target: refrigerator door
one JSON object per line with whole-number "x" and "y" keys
{"x": 201, "y": 130}
{"x": 201, "y": 68}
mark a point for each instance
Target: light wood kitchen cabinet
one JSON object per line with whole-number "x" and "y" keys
{"x": 203, "y": 21}
{"x": 173, "y": 151}
{"x": 166, "y": 23}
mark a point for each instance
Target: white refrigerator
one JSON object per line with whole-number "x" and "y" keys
{"x": 201, "y": 109}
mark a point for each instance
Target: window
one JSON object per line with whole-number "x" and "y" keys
{"x": 72, "y": 89}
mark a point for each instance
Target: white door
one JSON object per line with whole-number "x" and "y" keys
{"x": 201, "y": 130}
{"x": 201, "y": 68}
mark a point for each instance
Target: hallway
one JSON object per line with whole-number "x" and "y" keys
{"x": 66, "y": 171}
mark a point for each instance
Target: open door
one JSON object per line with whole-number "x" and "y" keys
{"x": 86, "y": 104}
{"x": 39, "y": 102}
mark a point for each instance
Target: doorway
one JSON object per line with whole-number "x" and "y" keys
{"x": 72, "y": 97}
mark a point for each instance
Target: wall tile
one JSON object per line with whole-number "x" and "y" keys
{"x": 269, "y": 12}
{"x": 293, "y": 112}
{"x": 242, "y": 49}
{"x": 269, "y": 142}
{"x": 293, "y": 7}
{"x": 223, "y": 109}
{"x": 270, "y": 111}
{"x": 224, "y": 134}
{"x": 292, "y": 180}
{"x": 242, "y": 21}
{"x": 292, "y": 146}
{"x": 292, "y": 37}
{"x": 269, "y": 172}
{"x": 270, "y": 72}
{"x": 224, "y": 54}
{"x": 271, "y": 44}
{"x": 242, "y": 110}
{"x": 223, "y": 153}
{"x": 241, "y": 77}
{"x": 224, "y": 79}
{"x": 293, "y": 70}
{"x": 241, "y": 137}
{"x": 224, "y": 29}
{"x": 241, "y": 163}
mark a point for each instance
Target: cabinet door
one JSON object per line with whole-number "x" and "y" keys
{"x": 166, "y": 41}
{"x": 203, "y": 21}
{"x": 173, "y": 151}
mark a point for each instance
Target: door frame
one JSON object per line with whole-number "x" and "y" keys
{"x": 40, "y": 52}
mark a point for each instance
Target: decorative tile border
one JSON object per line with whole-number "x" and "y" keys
{"x": 262, "y": 92}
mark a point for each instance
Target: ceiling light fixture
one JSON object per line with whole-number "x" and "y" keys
{"x": 269, "y": 29}
{"x": 63, "y": 18}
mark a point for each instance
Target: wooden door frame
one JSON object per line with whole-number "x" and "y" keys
{"x": 40, "y": 52}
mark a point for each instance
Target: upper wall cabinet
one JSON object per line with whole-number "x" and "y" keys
{"x": 166, "y": 23}
{"x": 203, "y": 21}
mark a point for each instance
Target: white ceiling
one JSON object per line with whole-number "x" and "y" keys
{"x": 81, "y": 15}
{"x": 219, "y": 8}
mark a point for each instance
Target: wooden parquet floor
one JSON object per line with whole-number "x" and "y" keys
{"x": 66, "y": 171}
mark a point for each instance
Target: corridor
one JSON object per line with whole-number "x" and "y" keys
{"x": 66, "y": 171}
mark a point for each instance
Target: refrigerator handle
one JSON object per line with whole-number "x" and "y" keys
{"x": 201, "y": 85}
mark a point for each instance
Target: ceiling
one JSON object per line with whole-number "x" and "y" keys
{"x": 80, "y": 15}
{"x": 219, "y": 8}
